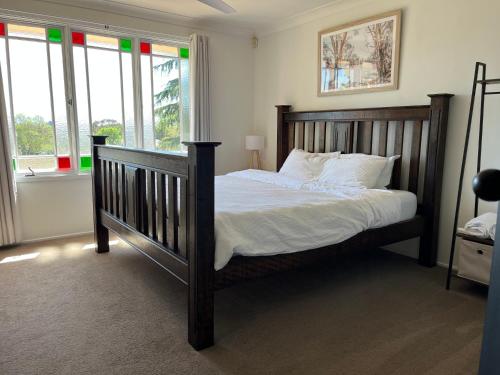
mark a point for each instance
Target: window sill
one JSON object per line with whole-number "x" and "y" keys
{"x": 53, "y": 177}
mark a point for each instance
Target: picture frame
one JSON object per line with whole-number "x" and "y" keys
{"x": 360, "y": 56}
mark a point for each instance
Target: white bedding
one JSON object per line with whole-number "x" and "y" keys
{"x": 265, "y": 213}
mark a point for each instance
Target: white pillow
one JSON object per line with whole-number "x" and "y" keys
{"x": 305, "y": 165}
{"x": 385, "y": 177}
{"x": 355, "y": 172}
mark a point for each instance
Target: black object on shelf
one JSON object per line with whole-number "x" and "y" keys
{"x": 484, "y": 83}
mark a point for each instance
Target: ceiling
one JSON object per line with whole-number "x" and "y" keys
{"x": 250, "y": 16}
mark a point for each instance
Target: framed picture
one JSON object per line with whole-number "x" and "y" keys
{"x": 360, "y": 56}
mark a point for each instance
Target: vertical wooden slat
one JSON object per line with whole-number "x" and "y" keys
{"x": 334, "y": 137}
{"x": 415, "y": 157}
{"x": 183, "y": 217}
{"x": 350, "y": 137}
{"x": 111, "y": 205}
{"x": 142, "y": 202}
{"x": 300, "y": 143}
{"x": 398, "y": 150}
{"x": 291, "y": 136}
{"x": 382, "y": 138}
{"x": 365, "y": 132}
{"x": 322, "y": 136}
{"x": 310, "y": 137}
{"x": 131, "y": 176}
{"x": 116, "y": 186}
{"x": 104, "y": 170}
{"x": 161, "y": 209}
{"x": 123, "y": 200}
{"x": 151, "y": 198}
{"x": 172, "y": 218}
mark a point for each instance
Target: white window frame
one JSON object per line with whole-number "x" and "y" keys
{"x": 67, "y": 25}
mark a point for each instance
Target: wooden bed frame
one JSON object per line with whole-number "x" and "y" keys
{"x": 163, "y": 203}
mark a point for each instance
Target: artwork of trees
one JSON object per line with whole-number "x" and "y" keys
{"x": 358, "y": 57}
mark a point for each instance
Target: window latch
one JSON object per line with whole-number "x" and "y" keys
{"x": 70, "y": 102}
{"x": 31, "y": 174}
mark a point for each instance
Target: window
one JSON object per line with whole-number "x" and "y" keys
{"x": 32, "y": 61}
{"x": 165, "y": 95}
{"x": 61, "y": 85}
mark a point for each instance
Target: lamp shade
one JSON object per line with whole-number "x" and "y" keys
{"x": 254, "y": 142}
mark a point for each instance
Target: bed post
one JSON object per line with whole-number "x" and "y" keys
{"x": 201, "y": 243}
{"x": 101, "y": 233}
{"x": 431, "y": 205}
{"x": 282, "y": 137}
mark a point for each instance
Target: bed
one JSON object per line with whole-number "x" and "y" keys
{"x": 212, "y": 232}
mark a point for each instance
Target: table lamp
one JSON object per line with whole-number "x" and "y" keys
{"x": 254, "y": 143}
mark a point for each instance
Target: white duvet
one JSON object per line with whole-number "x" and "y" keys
{"x": 265, "y": 213}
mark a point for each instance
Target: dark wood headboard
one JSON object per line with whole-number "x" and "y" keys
{"x": 418, "y": 133}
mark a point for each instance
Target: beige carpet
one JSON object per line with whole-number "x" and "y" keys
{"x": 71, "y": 311}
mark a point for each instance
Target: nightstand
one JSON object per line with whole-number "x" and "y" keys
{"x": 474, "y": 258}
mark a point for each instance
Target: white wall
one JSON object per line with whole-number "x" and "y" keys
{"x": 52, "y": 208}
{"x": 441, "y": 41}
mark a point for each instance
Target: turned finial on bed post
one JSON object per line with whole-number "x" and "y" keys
{"x": 201, "y": 243}
{"x": 101, "y": 233}
{"x": 431, "y": 204}
{"x": 282, "y": 136}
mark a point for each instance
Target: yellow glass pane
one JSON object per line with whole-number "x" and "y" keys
{"x": 26, "y": 31}
{"x": 102, "y": 41}
{"x": 161, "y": 49}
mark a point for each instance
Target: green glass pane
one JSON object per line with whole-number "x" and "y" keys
{"x": 85, "y": 163}
{"x": 14, "y": 164}
{"x": 55, "y": 35}
{"x": 126, "y": 45}
{"x": 184, "y": 53}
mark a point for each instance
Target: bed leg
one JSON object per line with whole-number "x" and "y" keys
{"x": 201, "y": 248}
{"x": 101, "y": 233}
{"x": 201, "y": 317}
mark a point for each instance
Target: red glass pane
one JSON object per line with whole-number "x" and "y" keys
{"x": 78, "y": 38}
{"x": 145, "y": 48}
{"x": 63, "y": 162}
{"x": 2, "y": 29}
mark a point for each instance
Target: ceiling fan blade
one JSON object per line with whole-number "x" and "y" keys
{"x": 219, "y": 5}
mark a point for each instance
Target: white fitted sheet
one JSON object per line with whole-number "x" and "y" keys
{"x": 263, "y": 213}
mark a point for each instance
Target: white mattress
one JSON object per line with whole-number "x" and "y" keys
{"x": 264, "y": 213}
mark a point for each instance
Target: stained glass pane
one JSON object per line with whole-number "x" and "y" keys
{"x": 26, "y": 31}
{"x": 102, "y": 41}
{"x": 64, "y": 162}
{"x": 126, "y": 45}
{"x": 78, "y": 38}
{"x": 184, "y": 53}
{"x": 161, "y": 49}
{"x": 85, "y": 163}
{"x": 55, "y": 35}
{"x": 145, "y": 48}
{"x": 2, "y": 29}
{"x": 59, "y": 98}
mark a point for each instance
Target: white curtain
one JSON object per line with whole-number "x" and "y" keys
{"x": 8, "y": 219}
{"x": 199, "y": 70}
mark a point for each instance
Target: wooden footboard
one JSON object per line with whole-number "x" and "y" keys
{"x": 163, "y": 205}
